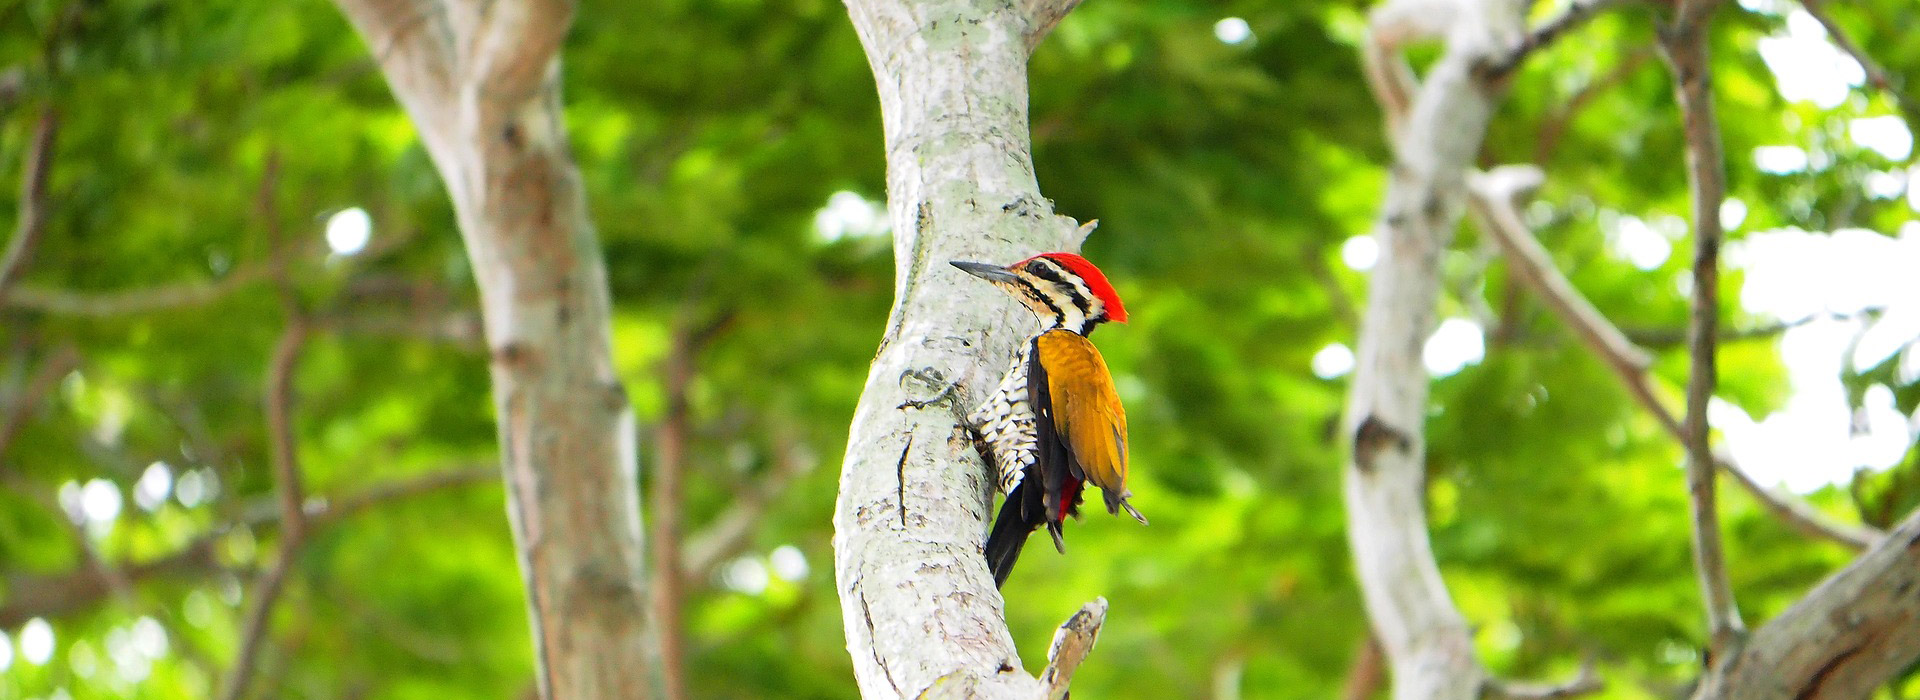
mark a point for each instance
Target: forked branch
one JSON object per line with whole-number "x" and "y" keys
{"x": 1495, "y": 197}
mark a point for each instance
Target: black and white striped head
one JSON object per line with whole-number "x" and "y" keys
{"x": 1063, "y": 289}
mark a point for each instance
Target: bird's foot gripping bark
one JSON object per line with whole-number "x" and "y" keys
{"x": 930, "y": 377}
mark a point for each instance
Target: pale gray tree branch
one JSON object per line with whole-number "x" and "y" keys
{"x": 481, "y": 82}
{"x": 1844, "y": 639}
{"x": 1495, "y": 198}
{"x": 517, "y": 48}
{"x": 1684, "y": 43}
{"x": 1042, "y": 16}
{"x": 1436, "y": 125}
{"x": 1071, "y": 644}
{"x": 32, "y": 222}
{"x": 921, "y": 612}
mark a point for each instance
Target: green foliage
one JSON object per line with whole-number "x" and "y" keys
{"x": 201, "y": 140}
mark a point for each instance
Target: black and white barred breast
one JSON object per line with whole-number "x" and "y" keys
{"x": 1005, "y": 421}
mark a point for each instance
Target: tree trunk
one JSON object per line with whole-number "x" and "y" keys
{"x": 1436, "y": 127}
{"x": 482, "y": 84}
{"x": 918, "y": 603}
{"x": 1846, "y": 638}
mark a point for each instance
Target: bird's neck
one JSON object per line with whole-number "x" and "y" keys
{"x": 1071, "y": 321}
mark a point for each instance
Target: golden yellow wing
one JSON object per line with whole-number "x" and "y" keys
{"x": 1087, "y": 412}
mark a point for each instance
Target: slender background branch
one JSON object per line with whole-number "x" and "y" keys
{"x": 1876, "y": 74}
{"x": 33, "y": 202}
{"x": 22, "y": 406}
{"x": 1685, "y": 46}
{"x": 292, "y": 498}
{"x": 1495, "y": 202}
{"x": 690, "y": 340}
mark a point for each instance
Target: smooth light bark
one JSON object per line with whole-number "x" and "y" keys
{"x": 919, "y": 606}
{"x": 482, "y": 84}
{"x": 1845, "y": 639}
{"x": 1436, "y": 126}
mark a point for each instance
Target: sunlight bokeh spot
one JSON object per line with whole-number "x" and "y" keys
{"x": 1886, "y": 184}
{"x": 1232, "y": 30}
{"x": 789, "y": 563}
{"x": 1454, "y": 345}
{"x": 1780, "y": 160}
{"x": 36, "y": 642}
{"x": 1733, "y": 212}
{"x": 847, "y": 214}
{"x": 1334, "y": 360}
{"x": 1886, "y": 135}
{"x": 745, "y": 575}
{"x": 1808, "y": 68}
{"x": 155, "y": 484}
{"x": 348, "y": 230}
{"x": 1638, "y": 243}
{"x": 1360, "y": 252}
{"x": 100, "y": 501}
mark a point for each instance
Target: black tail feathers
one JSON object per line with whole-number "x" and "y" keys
{"x": 1010, "y": 531}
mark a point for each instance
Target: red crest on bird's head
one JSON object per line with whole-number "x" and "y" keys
{"x": 1095, "y": 280}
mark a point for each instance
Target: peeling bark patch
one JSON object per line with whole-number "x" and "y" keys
{"x": 1373, "y": 436}
{"x": 509, "y": 354}
{"x": 616, "y": 396}
{"x": 1813, "y": 688}
{"x": 900, "y": 473}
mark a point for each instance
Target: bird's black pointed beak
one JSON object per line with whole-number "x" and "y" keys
{"x": 985, "y": 271}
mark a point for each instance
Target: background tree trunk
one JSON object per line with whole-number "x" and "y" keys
{"x": 918, "y": 603}
{"x": 482, "y": 84}
{"x": 1436, "y": 126}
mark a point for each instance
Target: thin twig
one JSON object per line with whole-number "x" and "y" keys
{"x": 33, "y": 202}
{"x": 1367, "y": 672}
{"x": 1555, "y": 127}
{"x": 54, "y": 595}
{"x": 293, "y": 525}
{"x": 1685, "y": 45}
{"x": 1674, "y": 337}
{"x": 1492, "y": 199}
{"x": 1586, "y": 683}
{"x": 164, "y": 297}
{"x": 1542, "y": 36}
{"x": 670, "y": 444}
{"x": 134, "y": 301}
{"x": 1876, "y": 74}
{"x": 1491, "y": 203}
{"x": 22, "y": 407}
{"x": 729, "y": 532}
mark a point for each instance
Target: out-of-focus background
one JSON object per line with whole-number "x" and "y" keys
{"x": 217, "y": 160}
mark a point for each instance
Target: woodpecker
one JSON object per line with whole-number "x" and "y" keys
{"x": 1054, "y": 423}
